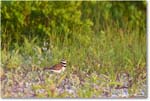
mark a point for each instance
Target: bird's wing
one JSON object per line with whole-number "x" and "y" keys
{"x": 56, "y": 67}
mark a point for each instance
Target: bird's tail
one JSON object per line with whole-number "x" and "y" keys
{"x": 47, "y": 68}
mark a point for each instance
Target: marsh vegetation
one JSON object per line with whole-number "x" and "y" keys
{"x": 104, "y": 44}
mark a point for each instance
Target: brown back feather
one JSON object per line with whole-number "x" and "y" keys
{"x": 55, "y": 67}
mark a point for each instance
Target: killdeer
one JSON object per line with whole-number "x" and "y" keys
{"x": 58, "y": 68}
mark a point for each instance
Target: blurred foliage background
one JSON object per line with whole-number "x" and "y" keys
{"x": 53, "y": 21}
{"x": 87, "y": 33}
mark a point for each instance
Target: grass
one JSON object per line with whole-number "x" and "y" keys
{"x": 107, "y": 53}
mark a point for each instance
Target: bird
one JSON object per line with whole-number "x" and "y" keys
{"x": 57, "y": 68}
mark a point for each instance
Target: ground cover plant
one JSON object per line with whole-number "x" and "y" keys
{"x": 104, "y": 44}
